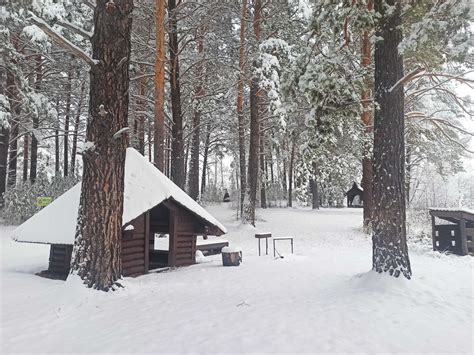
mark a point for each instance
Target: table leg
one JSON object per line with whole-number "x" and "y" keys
{"x": 291, "y": 245}
{"x": 274, "y": 254}
{"x": 259, "y": 247}
{"x": 266, "y": 246}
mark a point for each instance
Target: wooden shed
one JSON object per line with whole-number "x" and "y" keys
{"x": 153, "y": 207}
{"x": 453, "y": 230}
{"x": 355, "y": 196}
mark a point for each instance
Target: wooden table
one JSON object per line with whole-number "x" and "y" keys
{"x": 265, "y": 236}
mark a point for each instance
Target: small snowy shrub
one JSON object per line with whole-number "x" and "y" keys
{"x": 20, "y": 200}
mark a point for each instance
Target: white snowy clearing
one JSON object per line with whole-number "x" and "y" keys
{"x": 321, "y": 299}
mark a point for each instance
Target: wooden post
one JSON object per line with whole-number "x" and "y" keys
{"x": 147, "y": 242}
{"x": 172, "y": 241}
{"x": 433, "y": 231}
{"x": 462, "y": 227}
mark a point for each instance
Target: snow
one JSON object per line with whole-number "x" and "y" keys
{"x": 145, "y": 188}
{"x": 323, "y": 299}
{"x": 231, "y": 249}
{"x": 162, "y": 243}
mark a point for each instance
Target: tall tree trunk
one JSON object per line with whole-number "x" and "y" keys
{"x": 263, "y": 174}
{"x": 198, "y": 94}
{"x": 159, "y": 133}
{"x": 390, "y": 252}
{"x": 253, "y": 164}
{"x": 4, "y": 138}
{"x": 240, "y": 107}
{"x": 205, "y": 158}
{"x": 290, "y": 172}
{"x": 177, "y": 145}
{"x": 57, "y": 162}
{"x": 66, "y": 124}
{"x": 368, "y": 122}
{"x": 15, "y": 106}
{"x": 77, "y": 122}
{"x": 34, "y": 140}
{"x": 314, "y": 187}
{"x": 139, "y": 124}
{"x": 26, "y": 149}
{"x": 97, "y": 248}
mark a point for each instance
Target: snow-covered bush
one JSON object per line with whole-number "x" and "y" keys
{"x": 20, "y": 201}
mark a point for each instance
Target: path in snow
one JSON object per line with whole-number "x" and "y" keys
{"x": 321, "y": 299}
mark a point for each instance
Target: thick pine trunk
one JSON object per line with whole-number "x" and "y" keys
{"x": 66, "y": 124}
{"x": 177, "y": 144}
{"x": 26, "y": 150}
{"x": 97, "y": 248}
{"x": 77, "y": 122}
{"x": 139, "y": 124}
{"x": 390, "y": 252}
{"x": 290, "y": 173}
{"x": 263, "y": 170}
{"x": 205, "y": 158}
{"x": 240, "y": 108}
{"x": 4, "y": 138}
{"x": 367, "y": 121}
{"x": 34, "y": 141}
{"x": 198, "y": 94}
{"x": 15, "y": 105}
{"x": 159, "y": 132}
{"x": 314, "y": 187}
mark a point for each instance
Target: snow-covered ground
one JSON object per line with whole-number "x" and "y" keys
{"x": 321, "y": 299}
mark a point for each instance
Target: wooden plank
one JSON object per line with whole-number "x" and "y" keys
{"x": 133, "y": 250}
{"x": 134, "y": 256}
{"x": 147, "y": 241}
{"x": 433, "y": 231}
{"x": 173, "y": 238}
{"x": 135, "y": 271}
{"x": 470, "y": 233}
{"x": 129, "y": 264}
{"x": 462, "y": 226}
{"x": 132, "y": 243}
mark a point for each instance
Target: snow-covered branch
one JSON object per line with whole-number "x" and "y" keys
{"x": 75, "y": 29}
{"x": 61, "y": 41}
{"x": 406, "y": 78}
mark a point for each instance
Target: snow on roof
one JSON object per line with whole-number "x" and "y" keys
{"x": 451, "y": 209}
{"x": 145, "y": 187}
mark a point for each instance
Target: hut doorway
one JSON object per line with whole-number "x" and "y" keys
{"x": 159, "y": 237}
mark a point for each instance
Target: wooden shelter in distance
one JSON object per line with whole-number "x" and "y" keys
{"x": 355, "y": 196}
{"x": 456, "y": 237}
{"x": 153, "y": 204}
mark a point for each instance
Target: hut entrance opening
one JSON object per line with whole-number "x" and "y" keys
{"x": 159, "y": 237}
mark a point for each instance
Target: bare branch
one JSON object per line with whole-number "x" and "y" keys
{"x": 406, "y": 78}
{"x": 75, "y": 29}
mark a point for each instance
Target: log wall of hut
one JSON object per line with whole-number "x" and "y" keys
{"x": 135, "y": 247}
{"x": 60, "y": 259}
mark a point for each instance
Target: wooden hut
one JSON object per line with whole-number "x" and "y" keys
{"x": 355, "y": 196}
{"x": 457, "y": 235}
{"x": 153, "y": 206}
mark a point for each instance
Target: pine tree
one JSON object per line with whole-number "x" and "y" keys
{"x": 390, "y": 251}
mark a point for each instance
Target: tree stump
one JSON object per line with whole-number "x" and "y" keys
{"x": 231, "y": 256}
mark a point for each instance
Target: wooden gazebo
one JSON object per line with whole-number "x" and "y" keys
{"x": 153, "y": 206}
{"x": 355, "y": 196}
{"x": 456, "y": 236}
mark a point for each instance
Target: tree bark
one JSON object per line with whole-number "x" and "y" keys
{"x": 198, "y": 94}
{"x": 15, "y": 106}
{"x": 205, "y": 158}
{"x": 314, "y": 187}
{"x": 139, "y": 124}
{"x": 368, "y": 122}
{"x": 290, "y": 172}
{"x": 240, "y": 107}
{"x": 77, "y": 122}
{"x": 97, "y": 248}
{"x": 263, "y": 173}
{"x": 4, "y": 138}
{"x": 66, "y": 124}
{"x": 253, "y": 164}
{"x": 26, "y": 149}
{"x": 34, "y": 140}
{"x": 177, "y": 145}
{"x": 159, "y": 132}
{"x": 390, "y": 252}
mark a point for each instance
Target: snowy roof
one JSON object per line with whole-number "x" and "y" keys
{"x": 145, "y": 188}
